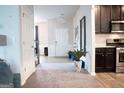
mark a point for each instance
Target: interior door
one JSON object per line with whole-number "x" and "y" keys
{"x": 27, "y": 38}
{"x": 61, "y": 42}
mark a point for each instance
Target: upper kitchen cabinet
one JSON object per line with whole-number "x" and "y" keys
{"x": 97, "y": 18}
{"x": 105, "y": 18}
{"x": 115, "y": 12}
{"x": 102, "y": 18}
{"x": 122, "y": 12}
{"x": 104, "y": 14}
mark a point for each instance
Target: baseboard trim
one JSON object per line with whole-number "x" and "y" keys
{"x": 23, "y": 82}
{"x": 28, "y": 76}
{"x": 92, "y": 73}
{"x": 57, "y": 56}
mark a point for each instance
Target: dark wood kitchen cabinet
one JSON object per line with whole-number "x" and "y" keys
{"x": 105, "y": 60}
{"x": 99, "y": 64}
{"x": 97, "y": 18}
{"x": 105, "y": 18}
{"x": 104, "y": 14}
{"x": 115, "y": 12}
{"x": 122, "y": 12}
{"x": 102, "y": 18}
{"x": 110, "y": 59}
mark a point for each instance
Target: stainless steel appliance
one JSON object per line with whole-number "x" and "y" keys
{"x": 119, "y": 44}
{"x": 120, "y": 59}
{"x": 117, "y": 26}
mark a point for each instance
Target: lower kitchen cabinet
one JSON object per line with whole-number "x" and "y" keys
{"x": 110, "y": 62}
{"x": 105, "y": 60}
{"x": 99, "y": 65}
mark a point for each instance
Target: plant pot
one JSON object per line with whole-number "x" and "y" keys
{"x": 69, "y": 56}
{"x": 83, "y": 64}
{"x": 73, "y": 57}
{"x": 78, "y": 65}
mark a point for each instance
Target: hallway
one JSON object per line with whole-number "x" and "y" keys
{"x": 59, "y": 73}
{"x": 56, "y": 63}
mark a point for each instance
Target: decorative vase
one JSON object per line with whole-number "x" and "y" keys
{"x": 78, "y": 65}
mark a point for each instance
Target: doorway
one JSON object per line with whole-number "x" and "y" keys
{"x": 36, "y": 49}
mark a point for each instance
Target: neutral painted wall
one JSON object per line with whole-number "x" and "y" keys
{"x": 9, "y": 26}
{"x": 70, "y": 32}
{"x": 76, "y": 23}
{"x": 43, "y": 35}
{"x": 27, "y": 42}
{"x": 101, "y": 38}
{"x": 86, "y": 10}
{"x": 51, "y": 37}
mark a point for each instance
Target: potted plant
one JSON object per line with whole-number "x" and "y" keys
{"x": 71, "y": 55}
{"x": 78, "y": 63}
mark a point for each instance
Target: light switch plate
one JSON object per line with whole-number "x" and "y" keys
{"x": 3, "y": 40}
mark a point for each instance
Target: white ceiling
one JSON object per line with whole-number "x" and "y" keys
{"x": 45, "y": 12}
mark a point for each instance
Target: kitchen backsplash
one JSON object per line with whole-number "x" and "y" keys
{"x": 100, "y": 39}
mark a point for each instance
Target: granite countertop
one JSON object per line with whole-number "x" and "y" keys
{"x": 106, "y": 46}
